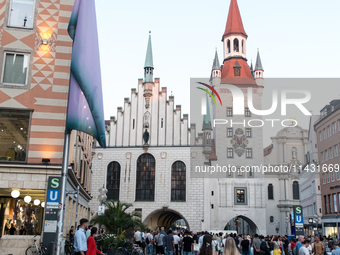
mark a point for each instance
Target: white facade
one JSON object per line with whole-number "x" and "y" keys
{"x": 288, "y": 149}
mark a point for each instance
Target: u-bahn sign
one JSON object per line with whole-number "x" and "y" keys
{"x": 298, "y": 220}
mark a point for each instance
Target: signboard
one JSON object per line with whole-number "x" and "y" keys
{"x": 51, "y": 210}
{"x": 298, "y": 220}
{"x": 50, "y": 226}
{"x": 71, "y": 192}
{"x": 101, "y": 210}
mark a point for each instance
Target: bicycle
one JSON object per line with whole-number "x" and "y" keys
{"x": 35, "y": 249}
{"x": 69, "y": 249}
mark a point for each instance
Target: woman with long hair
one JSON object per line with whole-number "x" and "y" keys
{"x": 276, "y": 243}
{"x": 206, "y": 248}
{"x": 91, "y": 243}
{"x": 230, "y": 247}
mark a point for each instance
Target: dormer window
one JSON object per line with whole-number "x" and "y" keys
{"x": 237, "y": 69}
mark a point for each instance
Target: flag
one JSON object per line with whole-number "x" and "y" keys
{"x": 85, "y": 110}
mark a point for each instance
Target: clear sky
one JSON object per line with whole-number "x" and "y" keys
{"x": 296, "y": 39}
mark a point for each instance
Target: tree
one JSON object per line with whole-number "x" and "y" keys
{"x": 117, "y": 219}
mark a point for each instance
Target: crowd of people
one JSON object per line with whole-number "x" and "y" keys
{"x": 204, "y": 243}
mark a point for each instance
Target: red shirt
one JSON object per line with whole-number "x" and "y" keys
{"x": 293, "y": 245}
{"x": 91, "y": 247}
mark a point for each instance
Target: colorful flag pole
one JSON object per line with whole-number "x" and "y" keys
{"x": 85, "y": 110}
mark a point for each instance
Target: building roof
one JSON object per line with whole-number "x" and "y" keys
{"x": 234, "y": 22}
{"x": 258, "y": 65}
{"x": 149, "y": 58}
{"x": 268, "y": 150}
{"x": 228, "y": 74}
{"x": 216, "y": 64}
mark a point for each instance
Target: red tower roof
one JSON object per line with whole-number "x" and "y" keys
{"x": 234, "y": 22}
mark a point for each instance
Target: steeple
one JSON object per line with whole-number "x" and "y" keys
{"x": 148, "y": 66}
{"x": 216, "y": 64}
{"x": 234, "y": 23}
{"x": 206, "y": 117}
{"x": 258, "y": 65}
{"x": 216, "y": 68}
{"x": 251, "y": 68}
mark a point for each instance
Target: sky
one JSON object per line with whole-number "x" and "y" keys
{"x": 296, "y": 39}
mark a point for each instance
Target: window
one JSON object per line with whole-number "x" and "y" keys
{"x": 331, "y": 153}
{"x": 271, "y": 219}
{"x": 15, "y": 68}
{"x": 229, "y": 132}
{"x": 22, "y": 13}
{"x": 334, "y": 127}
{"x": 241, "y": 196}
{"x": 113, "y": 181}
{"x": 338, "y": 176}
{"x": 329, "y": 130}
{"x": 326, "y": 155}
{"x": 339, "y": 125}
{"x": 249, "y": 153}
{"x": 228, "y": 46}
{"x": 333, "y": 176}
{"x": 296, "y": 192}
{"x": 212, "y": 193}
{"x": 322, "y": 158}
{"x": 14, "y": 126}
{"x": 145, "y": 183}
{"x": 212, "y": 206}
{"x": 239, "y": 172}
{"x": 335, "y": 204}
{"x": 230, "y": 153}
{"x": 324, "y": 178}
{"x": 313, "y": 187}
{"x": 248, "y": 132}
{"x": 324, "y": 134}
{"x": 229, "y": 112}
{"x": 247, "y": 112}
{"x": 236, "y": 45}
{"x": 162, "y": 123}
{"x": 336, "y": 150}
{"x": 270, "y": 191}
{"x": 178, "y": 182}
{"x": 330, "y": 203}
{"x": 320, "y": 133}
{"x": 325, "y": 199}
{"x": 328, "y": 177}
{"x": 133, "y": 124}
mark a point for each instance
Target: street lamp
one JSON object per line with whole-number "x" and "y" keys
{"x": 277, "y": 227}
{"x": 316, "y": 219}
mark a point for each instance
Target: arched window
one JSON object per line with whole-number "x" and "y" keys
{"x": 228, "y": 46}
{"x": 296, "y": 192}
{"x": 270, "y": 191}
{"x": 113, "y": 181}
{"x": 243, "y": 51}
{"x": 145, "y": 183}
{"x": 236, "y": 45}
{"x": 271, "y": 219}
{"x": 178, "y": 182}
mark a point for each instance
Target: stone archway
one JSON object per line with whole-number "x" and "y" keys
{"x": 243, "y": 225}
{"x": 163, "y": 218}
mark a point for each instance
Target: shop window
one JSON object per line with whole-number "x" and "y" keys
{"x": 14, "y": 126}
{"x": 21, "y": 13}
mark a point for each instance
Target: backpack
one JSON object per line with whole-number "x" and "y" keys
{"x": 147, "y": 240}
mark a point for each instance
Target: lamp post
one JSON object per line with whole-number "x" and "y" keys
{"x": 316, "y": 219}
{"x": 277, "y": 227}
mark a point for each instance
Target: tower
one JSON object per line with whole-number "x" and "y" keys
{"x": 216, "y": 70}
{"x": 258, "y": 70}
{"x": 148, "y": 73}
{"x": 207, "y": 129}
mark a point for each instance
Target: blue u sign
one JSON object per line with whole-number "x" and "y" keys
{"x": 298, "y": 219}
{"x": 53, "y": 196}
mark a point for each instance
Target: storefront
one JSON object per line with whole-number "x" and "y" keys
{"x": 21, "y": 211}
{"x": 331, "y": 229}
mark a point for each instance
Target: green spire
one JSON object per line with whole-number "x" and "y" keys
{"x": 148, "y": 66}
{"x": 206, "y": 117}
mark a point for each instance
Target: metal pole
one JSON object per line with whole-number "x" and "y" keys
{"x": 64, "y": 170}
{"x": 76, "y": 220}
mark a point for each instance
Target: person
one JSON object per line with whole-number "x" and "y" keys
{"x": 138, "y": 237}
{"x": 188, "y": 243}
{"x": 149, "y": 241}
{"x": 214, "y": 244}
{"x": 169, "y": 243}
{"x": 206, "y": 248}
{"x": 71, "y": 234}
{"x": 285, "y": 244}
{"x": 176, "y": 242}
{"x": 336, "y": 249}
{"x": 22, "y": 231}
{"x": 276, "y": 245}
{"x": 230, "y": 247}
{"x": 196, "y": 244}
{"x": 293, "y": 244}
{"x": 12, "y": 230}
{"x": 201, "y": 238}
{"x": 244, "y": 245}
{"x": 256, "y": 244}
{"x": 91, "y": 243}
{"x": 318, "y": 247}
{"x": 299, "y": 244}
{"x": 88, "y": 231}
{"x": 159, "y": 243}
{"x": 264, "y": 246}
{"x": 303, "y": 249}
{"x": 80, "y": 244}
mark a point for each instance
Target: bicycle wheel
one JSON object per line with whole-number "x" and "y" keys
{"x": 32, "y": 250}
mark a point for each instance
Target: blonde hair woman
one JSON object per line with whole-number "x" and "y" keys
{"x": 230, "y": 247}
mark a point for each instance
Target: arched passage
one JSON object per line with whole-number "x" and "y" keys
{"x": 243, "y": 225}
{"x": 164, "y": 218}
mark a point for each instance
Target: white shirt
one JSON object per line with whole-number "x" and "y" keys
{"x": 176, "y": 239}
{"x": 138, "y": 236}
{"x": 309, "y": 248}
{"x": 303, "y": 251}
